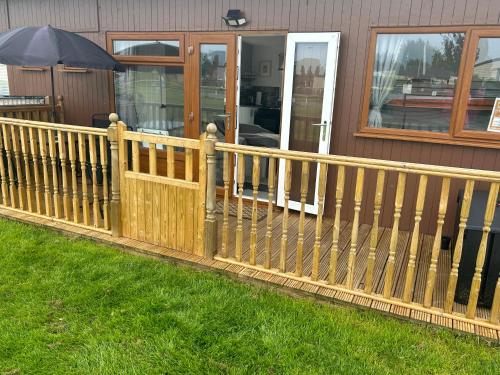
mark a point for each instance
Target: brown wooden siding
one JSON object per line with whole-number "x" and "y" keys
{"x": 88, "y": 93}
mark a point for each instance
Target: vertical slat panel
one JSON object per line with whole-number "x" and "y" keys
{"x": 156, "y": 213}
{"x": 377, "y": 204}
{"x": 42, "y": 138}
{"x": 105, "y": 186}
{"x": 481, "y": 254}
{"x": 436, "y": 246}
{"x": 21, "y": 190}
{"x": 358, "y": 197}
{"x": 398, "y": 204}
{"x": 339, "y": 195}
{"x": 27, "y": 169}
{"x": 141, "y": 219}
{"x": 82, "y": 153}
{"x": 188, "y": 165}
{"x": 135, "y": 156}
{"x": 10, "y": 166}
{"x": 152, "y": 159}
{"x": 132, "y": 207}
{"x": 172, "y": 220}
{"x": 225, "y": 214}
{"x": 148, "y": 211}
{"x": 188, "y": 220}
{"x": 181, "y": 204}
{"x": 36, "y": 168}
{"x": 164, "y": 233}
{"x": 457, "y": 253}
{"x": 323, "y": 169}
{"x": 55, "y": 177}
{"x": 304, "y": 183}
{"x": 270, "y": 199}
{"x": 3, "y": 175}
{"x": 96, "y": 212}
{"x": 63, "y": 156}
{"x": 239, "y": 215}
{"x": 170, "y": 162}
{"x": 419, "y": 207}
{"x": 284, "y": 227}
{"x": 255, "y": 194}
{"x": 74, "y": 180}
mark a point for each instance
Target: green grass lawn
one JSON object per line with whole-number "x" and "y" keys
{"x": 73, "y": 306}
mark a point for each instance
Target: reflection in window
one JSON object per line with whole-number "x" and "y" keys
{"x": 414, "y": 80}
{"x": 151, "y": 98}
{"x": 485, "y": 86}
{"x": 146, "y": 47}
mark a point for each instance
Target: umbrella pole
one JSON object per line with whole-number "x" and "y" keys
{"x": 53, "y": 94}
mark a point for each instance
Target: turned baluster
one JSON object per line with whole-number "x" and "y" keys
{"x": 42, "y": 138}
{"x": 225, "y": 214}
{"x": 358, "y": 197}
{"x": 74, "y": 180}
{"x": 410, "y": 271}
{"x": 239, "y": 215}
{"x": 21, "y": 189}
{"x": 304, "y": 184}
{"x": 36, "y": 169}
{"x": 457, "y": 253}
{"x": 377, "y": 204}
{"x": 95, "y": 189}
{"x": 55, "y": 178}
{"x": 10, "y": 166}
{"x": 255, "y": 194}
{"x": 3, "y": 176}
{"x": 105, "y": 186}
{"x": 481, "y": 254}
{"x": 270, "y": 198}
{"x": 436, "y": 246}
{"x": 82, "y": 153}
{"x": 323, "y": 169}
{"x": 64, "y": 174}
{"x": 284, "y": 229}
{"x": 398, "y": 204}
{"x": 27, "y": 170}
{"x": 339, "y": 194}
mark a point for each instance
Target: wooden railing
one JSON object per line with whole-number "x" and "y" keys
{"x": 275, "y": 259}
{"x": 56, "y": 170}
{"x": 94, "y": 178}
{"x": 35, "y": 112}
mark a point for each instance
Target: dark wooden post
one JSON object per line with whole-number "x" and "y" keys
{"x": 210, "y": 218}
{"x": 116, "y": 225}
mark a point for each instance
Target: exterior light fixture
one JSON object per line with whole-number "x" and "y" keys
{"x": 234, "y": 18}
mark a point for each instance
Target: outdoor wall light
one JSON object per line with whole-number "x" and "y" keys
{"x": 234, "y": 18}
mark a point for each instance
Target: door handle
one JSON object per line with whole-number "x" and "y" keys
{"x": 323, "y": 124}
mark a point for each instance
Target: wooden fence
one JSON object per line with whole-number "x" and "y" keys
{"x": 373, "y": 196}
{"x": 35, "y": 112}
{"x": 94, "y": 178}
{"x": 55, "y": 170}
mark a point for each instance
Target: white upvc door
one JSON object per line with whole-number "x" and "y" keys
{"x": 308, "y": 94}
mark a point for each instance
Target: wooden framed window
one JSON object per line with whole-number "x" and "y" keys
{"x": 434, "y": 84}
{"x": 147, "y": 47}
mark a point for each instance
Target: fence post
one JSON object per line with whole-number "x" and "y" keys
{"x": 210, "y": 218}
{"x": 115, "y": 219}
{"x": 60, "y": 107}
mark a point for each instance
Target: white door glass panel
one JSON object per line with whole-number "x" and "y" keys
{"x": 308, "y": 94}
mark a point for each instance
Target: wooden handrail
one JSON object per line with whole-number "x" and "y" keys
{"x": 351, "y": 161}
{"x": 53, "y": 126}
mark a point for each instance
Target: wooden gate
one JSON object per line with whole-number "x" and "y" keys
{"x": 162, "y": 204}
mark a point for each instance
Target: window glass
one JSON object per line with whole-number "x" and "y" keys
{"x": 414, "y": 81}
{"x": 485, "y": 85}
{"x": 151, "y": 98}
{"x": 146, "y": 47}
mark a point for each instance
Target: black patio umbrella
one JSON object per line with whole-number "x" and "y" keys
{"x": 48, "y": 46}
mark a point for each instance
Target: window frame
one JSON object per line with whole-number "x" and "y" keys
{"x": 456, "y": 133}
{"x": 130, "y": 59}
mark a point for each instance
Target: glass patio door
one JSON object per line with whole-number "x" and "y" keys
{"x": 308, "y": 94}
{"x": 213, "y": 86}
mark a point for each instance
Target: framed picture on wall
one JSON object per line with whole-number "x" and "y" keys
{"x": 265, "y": 68}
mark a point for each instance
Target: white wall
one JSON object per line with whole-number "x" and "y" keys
{"x": 266, "y": 53}
{"x": 4, "y": 80}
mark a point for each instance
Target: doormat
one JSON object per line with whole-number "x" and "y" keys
{"x": 247, "y": 210}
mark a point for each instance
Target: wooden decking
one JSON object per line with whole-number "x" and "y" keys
{"x": 288, "y": 281}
